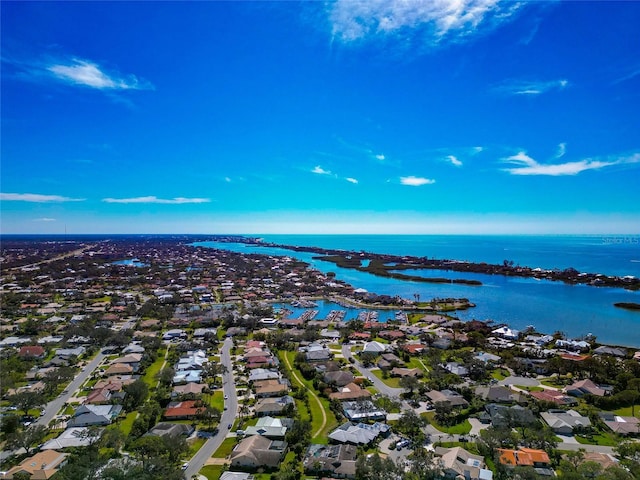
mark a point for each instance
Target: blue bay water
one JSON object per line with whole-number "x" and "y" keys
{"x": 549, "y": 306}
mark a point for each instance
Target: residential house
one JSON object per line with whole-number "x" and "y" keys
{"x": 88, "y": 415}
{"x": 339, "y": 378}
{"x": 503, "y": 416}
{"x": 363, "y": 410}
{"x": 554, "y": 396}
{"x": 185, "y": 410}
{"x": 456, "y": 369}
{"x": 174, "y": 430}
{"x": 499, "y": 394}
{"x": 337, "y": 461}
{"x": 563, "y": 422}
{"x": 317, "y": 353}
{"x": 526, "y": 457}
{"x": 190, "y": 388}
{"x": 257, "y": 451}
{"x": 270, "y": 427}
{"x": 258, "y": 374}
{"x": 236, "y": 476}
{"x": 41, "y": 466}
{"x": 621, "y": 425}
{"x": 406, "y": 372}
{"x": 71, "y": 437}
{"x": 448, "y": 397}
{"x": 359, "y": 433}
{"x": 119, "y": 369}
{"x": 459, "y": 463}
{"x": 271, "y": 388}
{"x": 351, "y": 391}
{"x": 613, "y": 351}
{"x": 375, "y": 347}
{"x": 272, "y": 406}
{"x": 31, "y": 351}
{"x": 583, "y": 387}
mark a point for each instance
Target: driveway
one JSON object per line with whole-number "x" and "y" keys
{"x": 476, "y": 426}
{"x": 524, "y": 381}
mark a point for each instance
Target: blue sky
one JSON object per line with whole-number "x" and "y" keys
{"x": 380, "y": 116}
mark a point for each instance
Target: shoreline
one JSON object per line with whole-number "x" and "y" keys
{"x": 569, "y": 276}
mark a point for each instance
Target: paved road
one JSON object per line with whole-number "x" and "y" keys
{"x": 228, "y": 416}
{"x": 379, "y": 384}
{"x": 54, "y": 406}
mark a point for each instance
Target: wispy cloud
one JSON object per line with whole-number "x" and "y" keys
{"x": 44, "y": 219}
{"x": 453, "y": 160}
{"x": 531, "y": 88}
{"x": 351, "y": 180}
{"x": 77, "y": 72}
{"x": 562, "y": 150}
{"x": 631, "y": 74}
{"x": 36, "y": 198}
{"x": 320, "y": 171}
{"x": 153, "y": 199}
{"x": 416, "y": 181}
{"x": 380, "y": 157}
{"x": 89, "y": 74}
{"x": 429, "y": 22}
{"x": 525, "y": 165}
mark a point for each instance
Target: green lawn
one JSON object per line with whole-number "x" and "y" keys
{"x": 127, "y": 423}
{"x": 195, "y": 445}
{"x": 458, "y": 429}
{"x": 216, "y": 400}
{"x": 212, "y": 472}
{"x": 152, "y": 370}
{"x": 315, "y": 409}
{"x": 627, "y": 411}
{"x": 226, "y": 448}
{"x": 529, "y": 389}
{"x": 499, "y": 374}
{"x": 605, "y": 439}
{"x": 392, "y": 382}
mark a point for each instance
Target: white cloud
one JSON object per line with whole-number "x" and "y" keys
{"x": 525, "y": 165}
{"x": 153, "y": 199}
{"x": 321, "y": 171}
{"x": 562, "y": 149}
{"x": 380, "y": 157}
{"x": 89, "y": 74}
{"x": 453, "y": 160}
{"x": 45, "y": 219}
{"x": 351, "y": 180}
{"x": 36, "y": 198}
{"x": 227, "y": 179}
{"x": 429, "y": 20}
{"x": 526, "y": 88}
{"x": 416, "y": 181}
